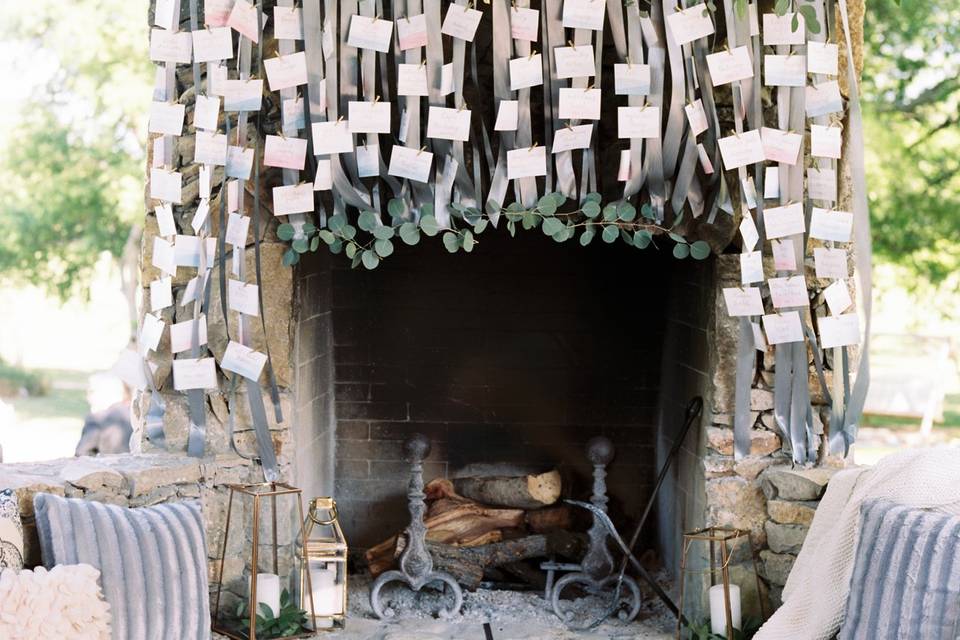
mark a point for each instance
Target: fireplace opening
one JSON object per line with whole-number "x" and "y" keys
{"x": 509, "y": 360}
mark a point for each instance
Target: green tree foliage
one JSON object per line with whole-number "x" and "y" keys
{"x": 71, "y": 171}
{"x": 912, "y": 110}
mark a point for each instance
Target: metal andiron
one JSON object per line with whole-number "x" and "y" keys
{"x": 416, "y": 564}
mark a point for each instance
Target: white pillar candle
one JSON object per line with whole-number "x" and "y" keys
{"x": 327, "y": 599}
{"x": 718, "y": 611}
{"x": 268, "y": 592}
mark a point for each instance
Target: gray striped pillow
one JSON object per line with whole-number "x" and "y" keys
{"x": 906, "y": 576}
{"x": 152, "y": 562}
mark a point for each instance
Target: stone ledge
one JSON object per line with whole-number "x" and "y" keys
{"x": 775, "y": 567}
{"x": 796, "y": 484}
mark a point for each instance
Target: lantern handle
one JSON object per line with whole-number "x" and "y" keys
{"x": 312, "y": 514}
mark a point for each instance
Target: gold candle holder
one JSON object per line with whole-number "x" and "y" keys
{"x": 324, "y": 568}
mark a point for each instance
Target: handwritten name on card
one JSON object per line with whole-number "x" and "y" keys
{"x": 638, "y": 122}
{"x": 412, "y": 80}
{"x": 579, "y": 104}
{"x": 216, "y": 13}
{"x": 822, "y": 58}
{"x": 171, "y": 46}
{"x": 689, "y": 24}
{"x": 739, "y": 150}
{"x": 743, "y": 301}
{"x": 569, "y": 138}
{"x": 294, "y": 198}
{"x": 412, "y": 32}
{"x": 206, "y": 113}
{"x": 165, "y": 185}
{"x": 242, "y": 95}
{"x": 779, "y": 29}
{"x": 243, "y": 360}
{"x": 526, "y": 71}
{"x": 631, "y": 79}
{"x": 461, "y": 22}
{"x": 823, "y": 99}
{"x": 166, "y": 118}
{"x": 239, "y": 162}
{"x": 181, "y": 334}
{"x": 839, "y": 331}
{"x": 781, "y": 146}
{"x": 244, "y": 19}
{"x": 370, "y": 33}
{"x": 830, "y": 263}
{"x": 696, "y": 116}
{"x": 524, "y": 23}
{"x": 784, "y": 221}
{"x": 194, "y": 373}
{"x": 583, "y": 14}
{"x": 574, "y": 62}
{"x": 831, "y": 225}
{"x": 507, "y": 116}
{"x": 237, "y": 227}
{"x": 243, "y": 297}
{"x": 210, "y": 148}
{"x": 825, "y": 142}
{"x": 286, "y": 153}
{"x": 822, "y": 184}
{"x": 730, "y": 65}
{"x": 288, "y": 23}
{"x": 332, "y": 137}
{"x": 212, "y": 45}
{"x": 412, "y": 164}
{"x": 448, "y": 124}
{"x": 783, "y": 327}
{"x": 526, "y": 163}
{"x": 784, "y": 255}
{"x": 838, "y": 298}
{"x": 369, "y": 117}
{"x": 286, "y": 71}
{"x": 789, "y": 291}
{"x": 784, "y": 71}
{"x": 751, "y": 267}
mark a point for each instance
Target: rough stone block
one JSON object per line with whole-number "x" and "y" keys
{"x": 737, "y": 502}
{"x": 785, "y": 538}
{"x": 88, "y": 473}
{"x": 751, "y": 466}
{"x": 717, "y": 466}
{"x": 146, "y": 472}
{"x": 762, "y": 442}
{"x": 791, "y": 512}
{"x": 761, "y": 400}
{"x": 775, "y": 567}
{"x": 796, "y": 484}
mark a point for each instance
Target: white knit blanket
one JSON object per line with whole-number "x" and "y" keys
{"x": 815, "y": 595}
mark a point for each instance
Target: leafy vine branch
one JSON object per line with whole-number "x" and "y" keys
{"x": 616, "y": 221}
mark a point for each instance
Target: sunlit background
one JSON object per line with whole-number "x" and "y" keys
{"x": 77, "y": 82}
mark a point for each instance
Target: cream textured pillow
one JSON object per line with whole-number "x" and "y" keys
{"x": 63, "y": 603}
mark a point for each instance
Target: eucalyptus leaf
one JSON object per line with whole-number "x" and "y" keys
{"x": 286, "y": 231}
{"x": 337, "y": 246}
{"x": 383, "y": 232}
{"x": 700, "y": 250}
{"x": 626, "y": 211}
{"x": 300, "y": 245}
{"x": 468, "y": 241}
{"x": 547, "y": 206}
{"x": 309, "y": 228}
{"x": 681, "y": 251}
{"x": 558, "y": 199}
{"x": 593, "y": 196}
{"x": 426, "y": 209}
{"x": 642, "y": 239}
{"x": 512, "y": 228}
{"x": 337, "y": 223}
{"x": 676, "y": 237}
{"x": 516, "y": 207}
{"x": 409, "y": 233}
{"x": 326, "y": 236}
{"x": 349, "y": 232}
{"x": 383, "y": 248}
{"x": 370, "y": 259}
{"x": 428, "y": 224}
{"x": 396, "y": 207}
{"x": 610, "y": 233}
{"x": 493, "y": 207}
{"x": 481, "y": 225}
{"x": 810, "y": 18}
{"x": 351, "y": 250}
{"x": 356, "y": 260}
{"x": 314, "y": 243}
{"x": 587, "y": 236}
{"x": 451, "y": 241}
{"x": 647, "y": 211}
{"x": 368, "y": 221}
{"x": 552, "y": 226}
{"x": 591, "y": 209}
{"x": 610, "y": 212}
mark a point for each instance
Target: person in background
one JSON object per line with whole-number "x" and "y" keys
{"x": 106, "y": 428}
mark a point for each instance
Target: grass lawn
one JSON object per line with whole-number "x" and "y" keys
{"x": 882, "y": 435}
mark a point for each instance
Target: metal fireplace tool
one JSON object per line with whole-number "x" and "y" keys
{"x": 595, "y": 573}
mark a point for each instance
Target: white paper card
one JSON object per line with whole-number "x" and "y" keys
{"x": 823, "y": 98}
{"x": 217, "y": 74}
{"x": 181, "y": 334}
{"x": 696, "y": 116}
{"x": 286, "y": 153}
{"x": 368, "y": 160}
{"x": 292, "y": 113}
{"x": 759, "y": 340}
{"x": 784, "y": 255}
{"x": 404, "y": 128}
{"x": 753, "y": 15}
{"x": 412, "y": 32}
{"x": 741, "y": 150}
{"x": 749, "y": 192}
{"x": 216, "y": 13}
{"x": 204, "y": 178}
{"x": 286, "y": 71}
{"x": 237, "y": 226}
{"x": 779, "y": 29}
{"x": 210, "y": 147}
{"x": 370, "y": 33}
{"x": 822, "y": 57}
{"x": 171, "y": 46}
{"x": 631, "y": 79}
{"x": 242, "y": 297}
{"x": 789, "y": 291}
{"x": 838, "y": 298}
{"x": 190, "y": 291}
{"x": 730, "y": 65}
{"x": 822, "y": 184}
{"x": 332, "y": 137}
{"x": 638, "y": 122}
{"x": 242, "y": 95}
{"x": 163, "y": 257}
{"x": 165, "y": 185}
{"x": 568, "y": 138}
{"x": 575, "y": 62}
{"x": 206, "y": 114}
{"x": 239, "y": 163}
{"x": 200, "y": 216}
{"x": 448, "y": 124}
{"x": 526, "y": 71}
{"x": 524, "y": 23}
{"x": 212, "y": 45}
{"x": 186, "y": 250}
{"x": 461, "y": 22}
{"x": 839, "y": 331}
{"x": 165, "y": 222}
{"x": 194, "y": 373}
{"x": 830, "y": 263}
{"x": 743, "y": 301}
{"x": 288, "y": 23}
{"x": 294, "y": 198}
{"x": 412, "y": 80}
{"x": 751, "y": 267}
{"x": 781, "y": 146}
{"x": 243, "y": 18}
{"x": 369, "y": 117}
{"x": 583, "y": 14}
{"x": 623, "y": 171}
{"x": 771, "y": 183}
{"x": 783, "y": 327}
{"x": 151, "y": 330}
{"x": 161, "y": 294}
{"x": 705, "y": 162}
{"x": 411, "y": 164}
{"x": 526, "y": 163}
{"x": 689, "y": 24}
{"x": 163, "y": 16}
{"x": 166, "y": 118}
{"x": 825, "y": 142}
{"x": 447, "y": 85}
{"x": 507, "y": 116}
{"x": 580, "y": 104}
{"x": 784, "y": 71}
{"x": 749, "y": 233}
{"x": 831, "y": 225}
{"x": 243, "y": 360}
{"x": 323, "y": 181}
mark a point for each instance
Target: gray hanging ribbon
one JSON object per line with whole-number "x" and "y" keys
{"x": 675, "y": 117}
{"x": 636, "y": 176}
{"x": 657, "y": 55}
{"x": 746, "y": 357}
{"x": 552, "y": 30}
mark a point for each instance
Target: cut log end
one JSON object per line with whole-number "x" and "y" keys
{"x": 519, "y": 492}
